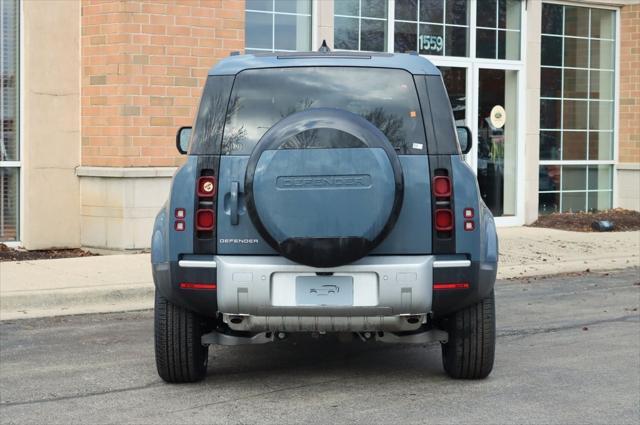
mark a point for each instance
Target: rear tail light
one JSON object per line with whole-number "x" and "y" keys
{"x": 206, "y": 186}
{"x": 205, "y": 219}
{"x": 179, "y": 226}
{"x": 442, "y": 186}
{"x": 444, "y": 220}
{"x": 205, "y": 216}
{"x": 468, "y": 213}
{"x": 180, "y": 213}
{"x": 469, "y": 225}
{"x": 205, "y": 206}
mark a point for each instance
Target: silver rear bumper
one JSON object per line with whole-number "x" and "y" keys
{"x": 246, "y": 295}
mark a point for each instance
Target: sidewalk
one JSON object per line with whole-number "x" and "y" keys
{"x": 530, "y": 251}
{"x": 75, "y": 285}
{"x": 123, "y": 282}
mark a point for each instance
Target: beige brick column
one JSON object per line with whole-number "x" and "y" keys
{"x": 324, "y": 10}
{"x": 532, "y": 122}
{"x": 50, "y": 92}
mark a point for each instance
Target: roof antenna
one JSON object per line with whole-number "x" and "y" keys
{"x": 324, "y": 48}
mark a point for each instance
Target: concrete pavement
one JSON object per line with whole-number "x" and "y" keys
{"x": 113, "y": 283}
{"x": 567, "y": 352}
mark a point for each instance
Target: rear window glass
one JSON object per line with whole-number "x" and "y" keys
{"x": 385, "y": 97}
{"x": 207, "y": 132}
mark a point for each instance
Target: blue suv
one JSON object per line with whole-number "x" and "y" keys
{"x": 324, "y": 192}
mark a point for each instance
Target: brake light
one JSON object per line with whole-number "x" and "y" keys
{"x": 444, "y": 220}
{"x": 206, "y": 186}
{"x": 205, "y": 219}
{"x": 447, "y": 286}
{"x": 442, "y": 186}
{"x": 198, "y": 286}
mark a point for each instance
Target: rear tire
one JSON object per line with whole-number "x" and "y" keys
{"x": 180, "y": 356}
{"x": 469, "y": 353}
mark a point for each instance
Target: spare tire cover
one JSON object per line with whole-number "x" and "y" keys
{"x": 324, "y": 187}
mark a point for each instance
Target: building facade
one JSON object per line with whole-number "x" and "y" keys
{"x": 94, "y": 90}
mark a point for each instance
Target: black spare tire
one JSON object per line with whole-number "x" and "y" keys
{"x": 324, "y": 187}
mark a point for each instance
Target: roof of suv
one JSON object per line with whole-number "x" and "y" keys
{"x": 410, "y": 62}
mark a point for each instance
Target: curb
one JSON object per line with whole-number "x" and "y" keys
{"x": 32, "y": 304}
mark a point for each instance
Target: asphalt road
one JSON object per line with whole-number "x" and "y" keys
{"x": 568, "y": 352}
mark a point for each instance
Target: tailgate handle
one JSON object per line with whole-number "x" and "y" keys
{"x": 233, "y": 204}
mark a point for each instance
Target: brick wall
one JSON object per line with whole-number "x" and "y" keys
{"x": 629, "y": 145}
{"x": 144, "y": 63}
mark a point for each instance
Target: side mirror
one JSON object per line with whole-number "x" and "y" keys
{"x": 465, "y": 139}
{"x": 182, "y": 139}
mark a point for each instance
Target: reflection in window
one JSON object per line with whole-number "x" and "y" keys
{"x": 277, "y": 25}
{"x": 498, "y": 29}
{"x": 576, "y": 108}
{"x": 212, "y": 113}
{"x": 360, "y": 25}
{"x": 322, "y": 138}
{"x": 386, "y": 98}
{"x": 432, "y": 27}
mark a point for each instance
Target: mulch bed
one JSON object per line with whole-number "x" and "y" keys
{"x": 10, "y": 254}
{"x": 623, "y": 220}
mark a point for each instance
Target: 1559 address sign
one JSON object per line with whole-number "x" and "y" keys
{"x": 431, "y": 43}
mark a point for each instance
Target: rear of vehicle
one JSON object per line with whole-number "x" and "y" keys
{"x": 324, "y": 193}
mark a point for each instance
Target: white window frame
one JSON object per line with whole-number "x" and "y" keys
{"x": 20, "y": 162}
{"x": 616, "y": 109}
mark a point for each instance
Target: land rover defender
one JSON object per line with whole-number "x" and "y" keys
{"x": 324, "y": 192}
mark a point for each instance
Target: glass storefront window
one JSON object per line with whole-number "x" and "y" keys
{"x": 9, "y": 141}
{"x": 455, "y": 80}
{"x": 497, "y": 141}
{"x": 498, "y": 29}
{"x": 360, "y": 25}
{"x": 432, "y": 27}
{"x": 576, "y": 108}
{"x": 277, "y": 25}
{"x": 572, "y": 188}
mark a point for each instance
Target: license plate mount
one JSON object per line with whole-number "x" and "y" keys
{"x": 324, "y": 290}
